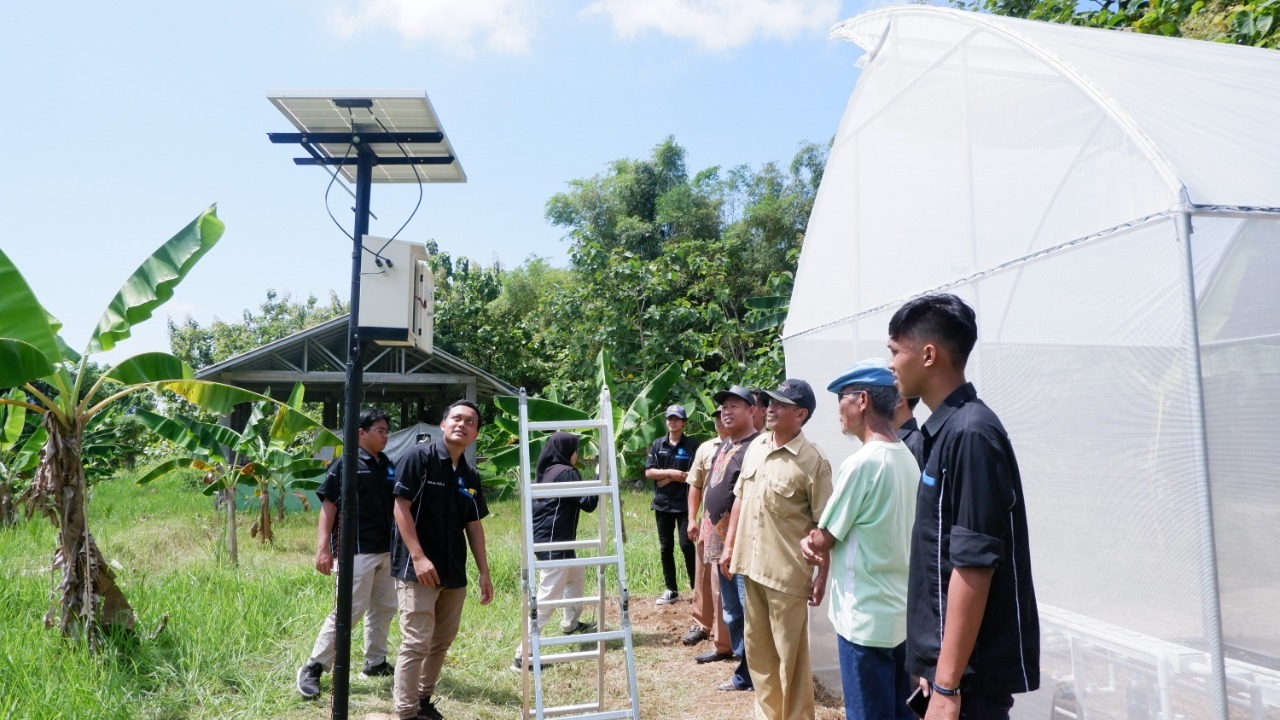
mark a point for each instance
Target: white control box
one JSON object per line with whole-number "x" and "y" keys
{"x": 397, "y": 300}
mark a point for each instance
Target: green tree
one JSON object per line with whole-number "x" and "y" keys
{"x": 663, "y": 265}
{"x": 1247, "y": 22}
{"x": 278, "y": 316}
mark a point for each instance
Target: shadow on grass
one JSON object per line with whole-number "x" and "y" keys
{"x": 461, "y": 690}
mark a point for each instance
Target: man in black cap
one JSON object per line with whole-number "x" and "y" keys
{"x": 736, "y": 414}
{"x": 667, "y": 465}
{"x": 783, "y": 487}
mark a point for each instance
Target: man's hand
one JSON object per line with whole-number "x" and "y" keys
{"x": 486, "y": 589}
{"x": 425, "y": 570}
{"x": 663, "y": 482}
{"x": 941, "y": 707}
{"x": 726, "y": 556}
{"x": 809, "y": 548}
{"x": 693, "y": 531}
{"x": 819, "y": 589}
{"x": 324, "y": 560}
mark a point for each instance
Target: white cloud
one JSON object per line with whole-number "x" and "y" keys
{"x": 718, "y": 25}
{"x": 502, "y": 26}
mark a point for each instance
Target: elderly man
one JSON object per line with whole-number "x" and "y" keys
{"x": 863, "y": 538}
{"x": 973, "y": 631}
{"x": 783, "y": 487}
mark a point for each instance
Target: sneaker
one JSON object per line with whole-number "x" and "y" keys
{"x": 382, "y": 669}
{"x": 728, "y": 686}
{"x": 667, "y": 598}
{"x": 427, "y": 709}
{"x": 515, "y": 666}
{"x": 309, "y": 679}
{"x": 580, "y": 627}
{"x": 694, "y": 636}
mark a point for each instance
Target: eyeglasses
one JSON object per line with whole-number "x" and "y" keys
{"x": 848, "y": 394}
{"x": 379, "y": 430}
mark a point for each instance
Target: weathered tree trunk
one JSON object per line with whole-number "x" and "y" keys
{"x": 264, "y": 518}
{"x": 8, "y": 509}
{"x": 232, "y": 551}
{"x": 89, "y": 600}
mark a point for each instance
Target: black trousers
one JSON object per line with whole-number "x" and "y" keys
{"x": 669, "y": 524}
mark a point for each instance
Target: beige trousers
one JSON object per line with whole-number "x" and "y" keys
{"x": 429, "y": 618}
{"x": 777, "y": 639}
{"x": 373, "y": 597}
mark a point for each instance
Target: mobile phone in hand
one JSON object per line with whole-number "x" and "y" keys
{"x": 918, "y": 702}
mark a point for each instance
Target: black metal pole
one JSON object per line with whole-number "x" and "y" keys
{"x": 350, "y": 443}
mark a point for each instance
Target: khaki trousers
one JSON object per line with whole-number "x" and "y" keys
{"x": 706, "y": 602}
{"x": 429, "y": 618}
{"x": 373, "y": 596}
{"x": 777, "y": 640}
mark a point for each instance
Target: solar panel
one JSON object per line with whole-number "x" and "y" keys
{"x": 398, "y": 126}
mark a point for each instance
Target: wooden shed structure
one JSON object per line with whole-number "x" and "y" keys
{"x": 408, "y": 383}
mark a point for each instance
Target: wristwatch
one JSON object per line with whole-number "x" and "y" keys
{"x": 948, "y": 692}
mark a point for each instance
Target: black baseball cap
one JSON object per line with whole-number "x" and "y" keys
{"x": 795, "y": 392}
{"x": 735, "y": 391}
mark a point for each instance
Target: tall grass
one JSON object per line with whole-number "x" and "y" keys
{"x": 233, "y": 637}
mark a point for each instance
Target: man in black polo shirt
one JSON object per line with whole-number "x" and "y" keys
{"x": 373, "y": 594}
{"x": 973, "y": 631}
{"x": 667, "y": 465}
{"x": 438, "y": 507}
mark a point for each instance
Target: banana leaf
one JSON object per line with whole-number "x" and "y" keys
{"x": 152, "y": 284}
{"x": 21, "y": 362}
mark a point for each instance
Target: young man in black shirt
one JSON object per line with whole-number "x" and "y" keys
{"x": 438, "y": 508}
{"x": 373, "y": 594}
{"x": 973, "y": 631}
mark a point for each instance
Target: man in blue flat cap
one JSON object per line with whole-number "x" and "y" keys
{"x": 863, "y": 538}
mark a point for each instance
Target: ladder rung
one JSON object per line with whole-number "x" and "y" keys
{"x": 566, "y": 603}
{"x": 571, "y": 489}
{"x": 576, "y": 562}
{"x": 603, "y": 715}
{"x": 566, "y": 425}
{"x": 569, "y": 657}
{"x": 559, "y": 710}
{"x": 583, "y": 638}
{"x": 567, "y": 545}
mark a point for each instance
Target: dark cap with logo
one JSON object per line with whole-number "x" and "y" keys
{"x": 736, "y": 391}
{"x": 795, "y": 392}
{"x": 676, "y": 411}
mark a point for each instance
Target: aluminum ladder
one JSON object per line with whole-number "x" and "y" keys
{"x": 605, "y": 553}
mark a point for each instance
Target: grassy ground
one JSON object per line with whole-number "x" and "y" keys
{"x": 234, "y": 637}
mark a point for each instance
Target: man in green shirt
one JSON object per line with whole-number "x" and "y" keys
{"x": 863, "y": 540}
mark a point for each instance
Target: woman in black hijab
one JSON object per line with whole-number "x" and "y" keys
{"x": 556, "y": 520}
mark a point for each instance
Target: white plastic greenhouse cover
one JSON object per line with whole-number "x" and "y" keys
{"x": 1109, "y": 203}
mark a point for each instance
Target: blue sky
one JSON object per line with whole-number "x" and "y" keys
{"x": 125, "y": 120}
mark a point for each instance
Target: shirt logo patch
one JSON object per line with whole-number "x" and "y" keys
{"x": 924, "y": 478}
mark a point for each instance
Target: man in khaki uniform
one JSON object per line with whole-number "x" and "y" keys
{"x": 707, "y": 621}
{"x": 784, "y": 486}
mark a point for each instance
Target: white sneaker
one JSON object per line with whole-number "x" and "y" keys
{"x": 667, "y": 598}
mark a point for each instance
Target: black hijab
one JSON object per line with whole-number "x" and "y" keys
{"x": 557, "y": 456}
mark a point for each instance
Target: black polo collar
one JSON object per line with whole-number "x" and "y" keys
{"x": 954, "y": 401}
{"x": 441, "y": 453}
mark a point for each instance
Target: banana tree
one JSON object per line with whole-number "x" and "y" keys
{"x": 633, "y": 428}
{"x": 19, "y": 454}
{"x": 34, "y": 356}
{"x": 249, "y": 457}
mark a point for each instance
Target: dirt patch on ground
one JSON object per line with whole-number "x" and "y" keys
{"x": 671, "y": 684}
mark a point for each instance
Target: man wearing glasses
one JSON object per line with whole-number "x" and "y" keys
{"x": 782, "y": 489}
{"x": 863, "y": 539}
{"x": 373, "y": 594}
